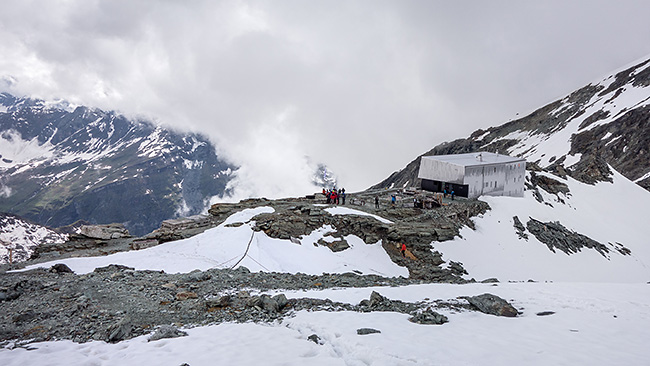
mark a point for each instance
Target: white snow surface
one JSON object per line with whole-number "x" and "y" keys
{"x": 16, "y": 150}
{"x": 592, "y": 324}
{"x": 338, "y": 210}
{"x": 23, "y": 237}
{"x": 609, "y": 213}
{"x": 226, "y": 246}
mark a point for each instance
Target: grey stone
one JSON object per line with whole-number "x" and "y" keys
{"x": 490, "y": 280}
{"x": 492, "y": 304}
{"x": 104, "y": 232}
{"x": 366, "y": 331}
{"x": 429, "y": 317}
{"x": 119, "y": 331}
{"x": 281, "y": 300}
{"x": 545, "y": 313}
{"x": 519, "y": 228}
{"x": 167, "y": 331}
{"x": 219, "y": 302}
{"x": 315, "y": 338}
{"x": 61, "y": 268}
{"x": 268, "y": 304}
{"x": 198, "y": 276}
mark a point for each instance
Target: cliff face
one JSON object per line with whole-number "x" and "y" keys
{"x": 601, "y": 124}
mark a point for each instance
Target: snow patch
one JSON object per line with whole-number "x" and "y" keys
{"x": 15, "y": 150}
{"x": 623, "y": 204}
{"x": 338, "y": 210}
{"x": 571, "y": 160}
{"x": 224, "y": 246}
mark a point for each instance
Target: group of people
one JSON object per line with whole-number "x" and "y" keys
{"x": 449, "y": 191}
{"x": 335, "y": 196}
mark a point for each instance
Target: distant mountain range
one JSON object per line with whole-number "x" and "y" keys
{"x": 600, "y": 125}
{"x": 61, "y": 163}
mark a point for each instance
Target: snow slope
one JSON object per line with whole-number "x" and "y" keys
{"x": 22, "y": 237}
{"x": 609, "y": 213}
{"x": 593, "y": 324}
{"x": 225, "y": 245}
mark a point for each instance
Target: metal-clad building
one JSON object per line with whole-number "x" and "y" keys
{"x": 474, "y": 174}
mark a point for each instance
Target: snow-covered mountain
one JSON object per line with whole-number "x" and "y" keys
{"x": 604, "y": 123}
{"x": 60, "y": 163}
{"x": 324, "y": 178}
{"x": 19, "y": 237}
{"x": 584, "y": 212}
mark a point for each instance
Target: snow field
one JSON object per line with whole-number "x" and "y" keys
{"x": 593, "y": 324}
{"x": 606, "y": 212}
{"x": 224, "y": 247}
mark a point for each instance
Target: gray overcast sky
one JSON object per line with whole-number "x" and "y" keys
{"x": 363, "y": 86}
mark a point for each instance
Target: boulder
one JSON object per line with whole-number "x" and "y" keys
{"x": 60, "y": 268}
{"x": 104, "y": 232}
{"x": 167, "y": 331}
{"x": 315, "y": 338}
{"x": 119, "y": 331}
{"x": 493, "y": 305}
{"x": 429, "y": 317}
{"x": 365, "y": 331}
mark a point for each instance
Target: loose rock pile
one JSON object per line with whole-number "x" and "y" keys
{"x": 115, "y": 303}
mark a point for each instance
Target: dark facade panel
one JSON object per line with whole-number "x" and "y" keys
{"x": 460, "y": 190}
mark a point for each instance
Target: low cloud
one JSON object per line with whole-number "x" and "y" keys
{"x": 363, "y": 86}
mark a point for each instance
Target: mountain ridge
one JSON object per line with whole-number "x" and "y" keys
{"x": 62, "y": 163}
{"x": 603, "y": 123}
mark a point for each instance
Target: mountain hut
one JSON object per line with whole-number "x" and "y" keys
{"x": 474, "y": 174}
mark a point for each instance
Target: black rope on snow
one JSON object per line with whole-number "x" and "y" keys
{"x": 246, "y": 253}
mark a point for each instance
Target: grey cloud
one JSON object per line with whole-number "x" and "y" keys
{"x": 363, "y": 86}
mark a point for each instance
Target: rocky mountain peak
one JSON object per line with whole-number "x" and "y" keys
{"x": 603, "y": 124}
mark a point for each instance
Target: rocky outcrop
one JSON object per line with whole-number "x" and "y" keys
{"x": 415, "y": 227}
{"x": 556, "y": 236}
{"x": 104, "y": 232}
{"x": 548, "y": 184}
{"x": 602, "y": 139}
{"x": 429, "y": 317}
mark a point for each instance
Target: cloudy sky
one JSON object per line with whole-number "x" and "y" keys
{"x": 362, "y": 86}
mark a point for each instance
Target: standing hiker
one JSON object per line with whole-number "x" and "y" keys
{"x": 335, "y": 197}
{"x": 343, "y": 196}
{"x": 403, "y": 250}
{"x": 376, "y": 201}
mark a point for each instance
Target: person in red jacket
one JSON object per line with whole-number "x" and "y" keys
{"x": 335, "y": 196}
{"x": 403, "y": 250}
